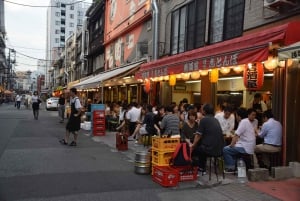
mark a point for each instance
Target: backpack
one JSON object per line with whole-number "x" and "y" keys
{"x": 182, "y": 155}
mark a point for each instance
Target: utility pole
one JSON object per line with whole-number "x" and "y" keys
{"x": 9, "y": 72}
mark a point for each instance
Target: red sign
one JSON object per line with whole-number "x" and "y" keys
{"x": 254, "y": 76}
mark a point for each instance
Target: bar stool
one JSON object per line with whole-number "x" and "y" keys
{"x": 217, "y": 161}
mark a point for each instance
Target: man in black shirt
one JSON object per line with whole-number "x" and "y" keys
{"x": 209, "y": 140}
{"x": 61, "y": 108}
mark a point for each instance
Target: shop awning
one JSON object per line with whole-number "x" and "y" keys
{"x": 289, "y": 52}
{"x": 245, "y": 49}
{"x": 94, "y": 81}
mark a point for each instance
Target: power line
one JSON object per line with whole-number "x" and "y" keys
{"x": 33, "y": 6}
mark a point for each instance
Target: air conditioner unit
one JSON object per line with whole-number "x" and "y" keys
{"x": 278, "y": 3}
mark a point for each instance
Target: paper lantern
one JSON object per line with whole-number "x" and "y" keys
{"x": 185, "y": 76}
{"x": 254, "y": 76}
{"x": 147, "y": 86}
{"x": 238, "y": 68}
{"x": 178, "y": 76}
{"x": 214, "y": 75}
{"x": 172, "y": 80}
{"x": 203, "y": 72}
{"x": 195, "y": 75}
{"x": 271, "y": 63}
{"x": 224, "y": 70}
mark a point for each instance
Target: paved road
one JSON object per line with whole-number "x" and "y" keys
{"x": 35, "y": 167}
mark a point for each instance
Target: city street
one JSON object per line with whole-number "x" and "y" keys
{"x": 35, "y": 166}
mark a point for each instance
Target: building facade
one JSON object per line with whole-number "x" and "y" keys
{"x": 63, "y": 18}
{"x": 3, "y": 64}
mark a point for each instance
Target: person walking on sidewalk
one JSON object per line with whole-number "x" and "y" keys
{"x": 35, "y": 105}
{"x": 18, "y": 101}
{"x": 61, "y": 108}
{"x": 73, "y": 125}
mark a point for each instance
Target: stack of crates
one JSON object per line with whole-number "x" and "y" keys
{"x": 98, "y": 122}
{"x": 162, "y": 150}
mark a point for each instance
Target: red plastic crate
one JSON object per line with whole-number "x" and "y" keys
{"x": 98, "y": 132}
{"x": 186, "y": 173}
{"x": 121, "y": 141}
{"x": 98, "y": 121}
{"x": 98, "y": 114}
{"x": 165, "y": 176}
{"x": 98, "y": 127}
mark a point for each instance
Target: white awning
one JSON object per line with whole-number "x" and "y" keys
{"x": 289, "y": 52}
{"x": 95, "y": 81}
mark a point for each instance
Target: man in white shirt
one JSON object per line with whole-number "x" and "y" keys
{"x": 133, "y": 115}
{"x": 226, "y": 120}
{"x": 73, "y": 125}
{"x": 244, "y": 139}
{"x": 18, "y": 101}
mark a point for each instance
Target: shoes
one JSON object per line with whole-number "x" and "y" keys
{"x": 73, "y": 144}
{"x": 229, "y": 171}
{"x": 63, "y": 142}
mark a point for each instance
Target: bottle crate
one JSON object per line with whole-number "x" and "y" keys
{"x": 186, "y": 173}
{"x": 165, "y": 176}
{"x": 165, "y": 144}
{"x": 161, "y": 158}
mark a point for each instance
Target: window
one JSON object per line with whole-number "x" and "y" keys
{"x": 226, "y": 19}
{"x": 178, "y": 31}
{"x": 56, "y": 40}
{"x": 62, "y": 39}
{"x": 62, "y": 21}
{"x": 57, "y": 31}
{"x": 63, "y": 5}
{"x": 57, "y": 22}
{"x": 79, "y": 21}
{"x": 196, "y": 25}
{"x": 72, "y": 16}
{"x": 71, "y": 24}
{"x": 63, "y": 13}
{"x": 71, "y": 7}
{"x": 79, "y": 13}
{"x": 57, "y": 14}
{"x": 188, "y": 27}
{"x": 62, "y": 30}
{"x": 57, "y": 4}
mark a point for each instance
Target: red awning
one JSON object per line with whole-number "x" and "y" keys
{"x": 246, "y": 49}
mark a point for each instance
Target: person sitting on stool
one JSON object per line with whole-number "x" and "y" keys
{"x": 271, "y": 132}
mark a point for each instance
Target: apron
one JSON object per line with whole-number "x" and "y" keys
{"x": 74, "y": 122}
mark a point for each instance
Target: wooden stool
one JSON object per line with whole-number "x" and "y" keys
{"x": 274, "y": 159}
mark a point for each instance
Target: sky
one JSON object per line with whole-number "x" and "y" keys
{"x": 26, "y": 31}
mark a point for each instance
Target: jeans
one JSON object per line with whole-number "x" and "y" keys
{"x": 61, "y": 112}
{"x": 229, "y": 154}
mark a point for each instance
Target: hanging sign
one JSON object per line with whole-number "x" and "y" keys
{"x": 254, "y": 76}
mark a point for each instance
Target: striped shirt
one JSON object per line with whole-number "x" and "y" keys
{"x": 170, "y": 123}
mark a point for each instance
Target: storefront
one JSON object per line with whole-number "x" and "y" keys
{"x": 290, "y": 55}
{"x": 113, "y": 85}
{"x": 233, "y": 60}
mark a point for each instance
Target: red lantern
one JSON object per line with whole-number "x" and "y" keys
{"x": 254, "y": 76}
{"x": 147, "y": 86}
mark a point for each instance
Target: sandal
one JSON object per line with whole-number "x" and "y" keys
{"x": 73, "y": 144}
{"x": 63, "y": 142}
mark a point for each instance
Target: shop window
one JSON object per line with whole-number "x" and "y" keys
{"x": 226, "y": 19}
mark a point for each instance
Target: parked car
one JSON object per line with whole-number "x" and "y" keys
{"x": 51, "y": 103}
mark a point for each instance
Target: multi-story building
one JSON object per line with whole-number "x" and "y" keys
{"x": 63, "y": 18}
{"x": 226, "y": 51}
{"x": 3, "y": 64}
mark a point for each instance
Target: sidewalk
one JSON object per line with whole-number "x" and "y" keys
{"x": 217, "y": 190}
